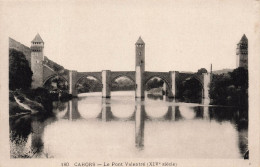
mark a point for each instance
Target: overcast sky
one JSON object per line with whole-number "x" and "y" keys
{"x": 99, "y": 35}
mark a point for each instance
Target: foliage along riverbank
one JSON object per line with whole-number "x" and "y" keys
{"x": 231, "y": 89}
{"x": 20, "y": 80}
{"x": 34, "y": 101}
{"x": 26, "y": 107}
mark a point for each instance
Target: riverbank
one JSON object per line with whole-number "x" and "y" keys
{"x": 34, "y": 101}
{"x": 25, "y": 108}
{"x": 15, "y": 109}
{"x": 30, "y": 102}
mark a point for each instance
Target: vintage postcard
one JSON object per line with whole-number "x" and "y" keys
{"x": 130, "y": 83}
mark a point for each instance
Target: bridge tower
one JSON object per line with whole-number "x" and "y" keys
{"x": 37, "y": 58}
{"x": 242, "y": 52}
{"x": 139, "y": 67}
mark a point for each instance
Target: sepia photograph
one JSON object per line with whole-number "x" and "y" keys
{"x": 130, "y": 83}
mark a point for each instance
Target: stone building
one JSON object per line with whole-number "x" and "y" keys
{"x": 37, "y": 59}
{"x": 242, "y": 52}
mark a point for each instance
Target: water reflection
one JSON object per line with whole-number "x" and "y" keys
{"x": 206, "y": 102}
{"x": 106, "y": 114}
{"x": 139, "y": 123}
{"x": 155, "y": 97}
{"x": 170, "y": 115}
{"x": 36, "y": 137}
{"x": 72, "y": 112}
{"x": 147, "y": 126}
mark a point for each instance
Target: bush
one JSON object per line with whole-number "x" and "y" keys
{"x": 40, "y": 95}
{"x": 14, "y": 109}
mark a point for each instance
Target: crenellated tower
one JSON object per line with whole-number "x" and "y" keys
{"x": 242, "y": 52}
{"x": 139, "y": 67}
{"x": 37, "y": 58}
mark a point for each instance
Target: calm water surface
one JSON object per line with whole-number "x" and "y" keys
{"x": 126, "y": 127}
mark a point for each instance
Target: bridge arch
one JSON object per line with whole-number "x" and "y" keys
{"x": 165, "y": 80}
{"x": 53, "y": 76}
{"x": 197, "y": 79}
{"x": 200, "y": 79}
{"x": 86, "y": 76}
{"x": 115, "y": 86}
{"x": 122, "y": 75}
{"x": 191, "y": 88}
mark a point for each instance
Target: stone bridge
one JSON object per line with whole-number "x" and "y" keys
{"x": 42, "y": 73}
{"x": 107, "y": 77}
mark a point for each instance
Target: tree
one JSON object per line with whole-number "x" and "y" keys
{"x": 201, "y": 71}
{"x": 219, "y": 92}
{"x": 230, "y": 89}
{"x": 88, "y": 85}
{"x": 154, "y": 83}
{"x": 60, "y": 83}
{"x": 240, "y": 77}
{"x": 20, "y": 74}
{"x": 190, "y": 90}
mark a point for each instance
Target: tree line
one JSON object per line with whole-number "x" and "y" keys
{"x": 230, "y": 89}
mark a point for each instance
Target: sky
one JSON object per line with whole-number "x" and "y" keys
{"x": 179, "y": 35}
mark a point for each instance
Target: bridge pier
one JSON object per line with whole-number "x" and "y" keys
{"x": 106, "y": 83}
{"x": 206, "y": 84}
{"x": 139, "y": 90}
{"x": 165, "y": 89}
{"x": 72, "y": 83}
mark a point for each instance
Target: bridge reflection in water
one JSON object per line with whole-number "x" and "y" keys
{"x": 139, "y": 123}
{"x": 152, "y": 127}
{"x": 139, "y": 115}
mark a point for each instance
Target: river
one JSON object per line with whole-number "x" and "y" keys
{"x": 124, "y": 127}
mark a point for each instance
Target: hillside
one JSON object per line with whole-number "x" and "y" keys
{"x": 223, "y": 71}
